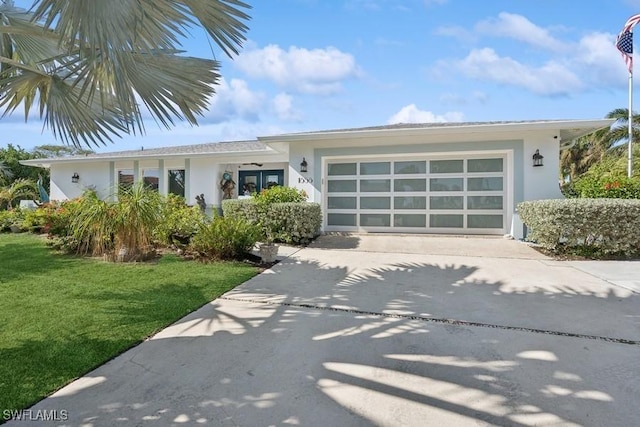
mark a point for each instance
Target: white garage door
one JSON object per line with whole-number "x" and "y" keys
{"x": 428, "y": 195}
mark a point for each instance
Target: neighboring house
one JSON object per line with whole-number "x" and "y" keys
{"x": 454, "y": 178}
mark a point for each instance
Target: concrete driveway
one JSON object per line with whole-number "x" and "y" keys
{"x": 389, "y": 331}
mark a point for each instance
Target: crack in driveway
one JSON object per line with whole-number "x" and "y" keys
{"x": 440, "y": 320}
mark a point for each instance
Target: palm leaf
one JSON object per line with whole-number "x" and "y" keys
{"x": 89, "y": 64}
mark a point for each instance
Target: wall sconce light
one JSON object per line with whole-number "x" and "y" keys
{"x": 303, "y": 165}
{"x": 75, "y": 178}
{"x": 537, "y": 159}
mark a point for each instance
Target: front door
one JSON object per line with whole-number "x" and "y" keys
{"x": 250, "y": 182}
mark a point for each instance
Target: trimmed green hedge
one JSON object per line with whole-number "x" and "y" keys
{"x": 281, "y": 222}
{"x": 595, "y": 227}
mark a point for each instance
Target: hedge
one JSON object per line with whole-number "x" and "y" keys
{"x": 596, "y": 227}
{"x": 281, "y": 222}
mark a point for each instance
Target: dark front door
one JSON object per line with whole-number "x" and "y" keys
{"x": 250, "y": 182}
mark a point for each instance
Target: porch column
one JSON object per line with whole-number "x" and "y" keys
{"x": 187, "y": 182}
{"x": 136, "y": 171}
{"x": 162, "y": 178}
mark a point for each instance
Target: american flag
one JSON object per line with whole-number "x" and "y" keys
{"x": 624, "y": 42}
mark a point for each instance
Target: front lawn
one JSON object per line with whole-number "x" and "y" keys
{"x": 62, "y": 316}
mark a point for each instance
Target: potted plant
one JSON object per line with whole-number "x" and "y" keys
{"x": 268, "y": 249}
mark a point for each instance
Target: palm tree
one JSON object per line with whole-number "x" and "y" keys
{"x": 619, "y": 131}
{"x": 591, "y": 149}
{"x": 87, "y": 65}
{"x": 20, "y": 189}
{"x": 5, "y": 173}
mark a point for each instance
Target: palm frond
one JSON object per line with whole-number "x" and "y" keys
{"x": 88, "y": 64}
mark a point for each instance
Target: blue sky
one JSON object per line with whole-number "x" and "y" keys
{"x": 328, "y": 64}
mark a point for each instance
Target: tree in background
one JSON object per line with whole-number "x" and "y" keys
{"x": 88, "y": 65}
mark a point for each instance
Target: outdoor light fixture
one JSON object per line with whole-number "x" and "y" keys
{"x": 75, "y": 178}
{"x": 537, "y": 159}
{"x": 303, "y": 165}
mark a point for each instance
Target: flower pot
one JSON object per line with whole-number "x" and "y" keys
{"x": 268, "y": 252}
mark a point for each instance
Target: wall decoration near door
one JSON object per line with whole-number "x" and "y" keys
{"x": 250, "y": 182}
{"x": 227, "y": 185}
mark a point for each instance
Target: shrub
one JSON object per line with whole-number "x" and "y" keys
{"x": 35, "y": 220}
{"x": 11, "y": 217}
{"x": 621, "y": 187}
{"x": 597, "y": 227}
{"x": 281, "y": 222}
{"x": 224, "y": 238}
{"x": 278, "y": 194}
{"x": 178, "y": 222}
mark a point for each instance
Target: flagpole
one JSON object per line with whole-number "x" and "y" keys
{"x": 630, "y": 154}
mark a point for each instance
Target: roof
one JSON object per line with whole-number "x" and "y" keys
{"x": 212, "y": 148}
{"x": 568, "y": 130}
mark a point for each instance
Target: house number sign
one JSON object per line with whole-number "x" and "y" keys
{"x": 305, "y": 180}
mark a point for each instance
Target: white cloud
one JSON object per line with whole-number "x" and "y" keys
{"x": 518, "y": 27}
{"x": 316, "y": 71}
{"x": 552, "y": 78}
{"x": 412, "y": 114}
{"x": 235, "y": 99}
{"x": 283, "y": 107}
{"x": 456, "y": 31}
{"x": 599, "y": 61}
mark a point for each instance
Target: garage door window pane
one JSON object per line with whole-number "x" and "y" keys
{"x": 446, "y": 184}
{"x": 446, "y": 202}
{"x": 337, "y": 169}
{"x": 484, "y": 202}
{"x": 410, "y": 185}
{"x": 446, "y": 221}
{"x": 446, "y": 166}
{"x": 409, "y": 167}
{"x": 484, "y": 184}
{"x": 375, "y": 202}
{"x": 346, "y": 186}
{"x": 342, "y": 203}
{"x": 484, "y": 165}
{"x": 410, "y": 203}
{"x": 375, "y": 220}
{"x": 484, "y": 221}
{"x": 341, "y": 219}
{"x": 375, "y": 185}
{"x": 409, "y": 220}
{"x": 375, "y": 168}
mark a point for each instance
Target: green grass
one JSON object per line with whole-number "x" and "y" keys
{"x": 62, "y": 316}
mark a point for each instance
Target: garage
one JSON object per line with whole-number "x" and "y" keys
{"x": 453, "y": 194}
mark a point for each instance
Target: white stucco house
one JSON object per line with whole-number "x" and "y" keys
{"x": 453, "y": 178}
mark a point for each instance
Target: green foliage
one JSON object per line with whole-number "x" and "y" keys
{"x": 179, "y": 222}
{"x": 9, "y": 218}
{"x": 224, "y": 238}
{"x": 11, "y": 156}
{"x": 278, "y": 194}
{"x": 19, "y": 189}
{"x": 592, "y": 186}
{"x": 598, "y": 227}
{"x": 280, "y": 222}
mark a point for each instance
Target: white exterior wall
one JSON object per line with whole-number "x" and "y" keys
{"x": 542, "y": 182}
{"x": 203, "y": 176}
{"x": 95, "y": 175}
{"x": 304, "y": 181}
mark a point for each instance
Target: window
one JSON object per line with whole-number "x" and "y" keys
{"x": 176, "y": 181}
{"x": 125, "y": 178}
{"x": 151, "y": 179}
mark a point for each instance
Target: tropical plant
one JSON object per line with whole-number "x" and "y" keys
{"x": 12, "y": 155}
{"x": 224, "y": 238}
{"x": 21, "y": 189}
{"x": 88, "y": 65}
{"x": 5, "y": 173}
{"x": 178, "y": 221}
